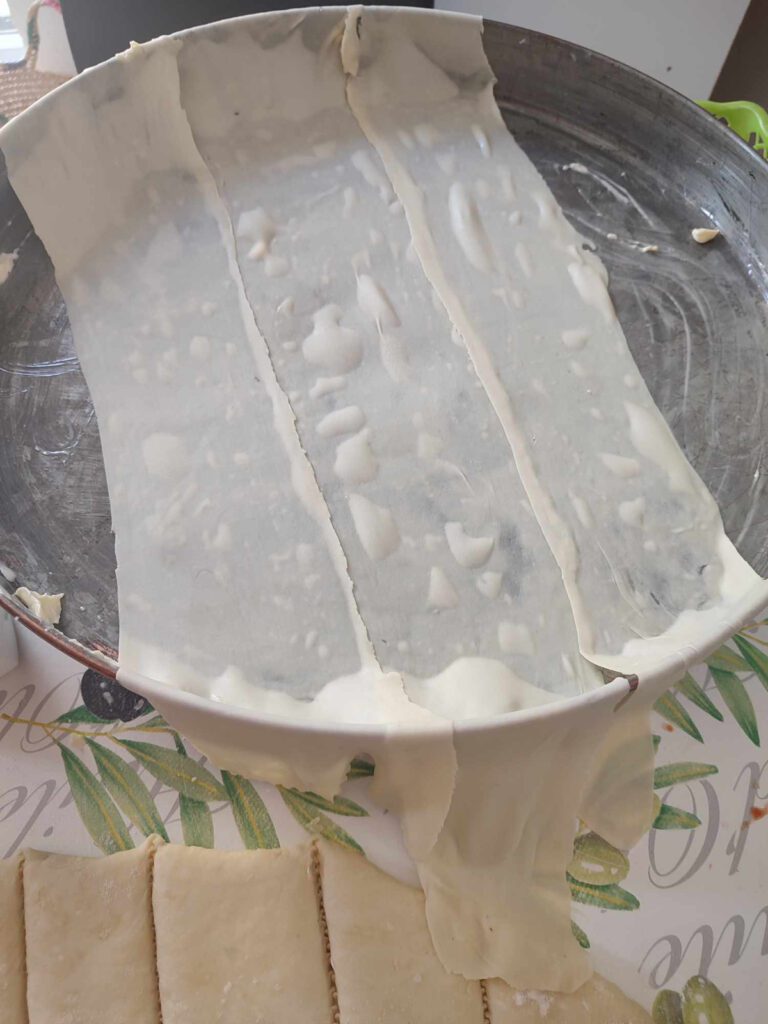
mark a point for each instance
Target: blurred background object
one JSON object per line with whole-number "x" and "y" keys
{"x": 21, "y": 80}
{"x": 745, "y": 72}
{"x": 9, "y": 652}
{"x": 54, "y": 54}
{"x": 12, "y": 43}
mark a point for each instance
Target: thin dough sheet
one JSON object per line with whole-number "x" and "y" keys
{"x": 638, "y": 537}
{"x": 205, "y": 509}
{"x": 596, "y": 1002}
{"x": 221, "y": 519}
{"x": 498, "y": 902}
{"x": 447, "y": 558}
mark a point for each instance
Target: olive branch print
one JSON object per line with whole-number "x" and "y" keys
{"x": 725, "y": 669}
{"x": 119, "y": 731}
{"x": 121, "y": 734}
{"x": 598, "y": 868}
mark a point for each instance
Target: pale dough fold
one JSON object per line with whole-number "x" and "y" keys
{"x": 90, "y": 949}
{"x": 596, "y": 1002}
{"x": 13, "y": 1009}
{"x": 306, "y": 173}
{"x": 386, "y": 967}
{"x": 648, "y": 569}
{"x": 239, "y": 938}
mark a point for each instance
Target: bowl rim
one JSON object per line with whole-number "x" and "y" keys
{"x": 665, "y": 673}
{"x": 153, "y": 690}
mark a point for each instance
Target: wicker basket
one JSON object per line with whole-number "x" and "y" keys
{"x": 20, "y": 81}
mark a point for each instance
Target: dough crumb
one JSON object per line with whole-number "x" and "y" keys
{"x": 7, "y": 572}
{"x": 7, "y": 260}
{"x": 47, "y": 607}
{"x": 704, "y": 235}
{"x": 649, "y": 248}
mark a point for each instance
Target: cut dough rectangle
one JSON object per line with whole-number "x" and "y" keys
{"x": 13, "y": 1007}
{"x": 89, "y": 943}
{"x": 385, "y": 965}
{"x": 239, "y": 937}
{"x": 596, "y": 1002}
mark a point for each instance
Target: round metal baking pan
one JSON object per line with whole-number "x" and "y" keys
{"x": 634, "y": 165}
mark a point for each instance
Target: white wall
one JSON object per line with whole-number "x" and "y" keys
{"x": 683, "y": 43}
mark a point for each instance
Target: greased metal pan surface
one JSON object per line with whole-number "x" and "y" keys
{"x": 635, "y": 167}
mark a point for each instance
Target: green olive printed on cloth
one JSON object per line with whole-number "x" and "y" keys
{"x": 704, "y": 1003}
{"x": 596, "y": 862}
{"x": 667, "y": 1008}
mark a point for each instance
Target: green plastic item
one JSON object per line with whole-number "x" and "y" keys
{"x": 748, "y": 120}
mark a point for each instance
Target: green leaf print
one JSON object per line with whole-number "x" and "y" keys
{"x": 755, "y": 658}
{"x": 580, "y": 936}
{"x": 734, "y": 693}
{"x": 251, "y": 815}
{"x": 128, "y": 790}
{"x": 727, "y": 659}
{"x": 689, "y": 688}
{"x": 608, "y": 897}
{"x": 177, "y": 770}
{"x": 153, "y": 724}
{"x": 79, "y": 715}
{"x": 339, "y": 804}
{"x": 669, "y": 707}
{"x": 95, "y": 806}
{"x": 673, "y": 817}
{"x": 196, "y": 817}
{"x": 196, "y": 822}
{"x": 314, "y": 821}
{"x": 667, "y": 775}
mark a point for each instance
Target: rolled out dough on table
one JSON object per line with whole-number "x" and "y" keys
{"x": 90, "y": 949}
{"x": 239, "y": 938}
{"x": 386, "y": 967}
{"x": 12, "y": 1002}
{"x": 387, "y": 971}
{"x": 596, "y": 1002}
